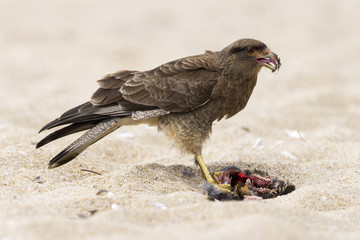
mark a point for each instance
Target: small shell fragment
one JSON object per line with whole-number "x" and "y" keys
{"x": 294, "y": 134}
{"x": 160, "y": 206}
{"x": 288, "y": 155}
{"x": 115, "y": 206}
{"x": 258, "y": 144}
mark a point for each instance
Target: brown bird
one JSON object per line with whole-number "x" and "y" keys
{"x": 182, "y": 98}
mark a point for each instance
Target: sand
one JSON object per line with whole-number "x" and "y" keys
{"x": 51, "y": 54}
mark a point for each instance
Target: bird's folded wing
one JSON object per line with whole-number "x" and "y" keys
{"x": 177, "y": 86}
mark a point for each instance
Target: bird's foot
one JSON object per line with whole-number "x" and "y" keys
{"x": 223, "y": 187}
{"x": 219, "y": 191}
{"x": 226, "y": 188}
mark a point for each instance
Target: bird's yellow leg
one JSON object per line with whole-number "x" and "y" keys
{"x": 208, "y": 177}
{"x": 204, "y": 169}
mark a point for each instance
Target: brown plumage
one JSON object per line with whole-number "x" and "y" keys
{"x": 182, "y": 98}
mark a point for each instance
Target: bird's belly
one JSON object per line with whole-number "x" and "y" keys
{"x": 188, "y": 130}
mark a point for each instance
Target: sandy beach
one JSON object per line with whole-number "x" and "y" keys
{"x": 301, "y": 124}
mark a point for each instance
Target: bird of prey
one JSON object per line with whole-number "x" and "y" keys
{"x": 182, "y": 98}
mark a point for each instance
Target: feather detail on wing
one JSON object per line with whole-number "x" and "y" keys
{"x": 109, "y": 86}
{"x": 177, "y": 86}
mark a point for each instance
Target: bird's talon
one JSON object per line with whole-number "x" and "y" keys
{"x": 224, "y": 187}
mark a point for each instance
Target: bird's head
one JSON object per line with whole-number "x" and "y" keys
{"x": 250, "y": 55}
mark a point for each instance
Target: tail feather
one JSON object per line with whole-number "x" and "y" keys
{"x": 99, "y": 131}
{"x": 70, "y": 113}
{"x": 87, "y": 112}
{"x": 73, "y": 128}
{"x": 80, "y": 118}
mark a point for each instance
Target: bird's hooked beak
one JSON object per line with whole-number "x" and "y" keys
{"x": 269, "y": 59}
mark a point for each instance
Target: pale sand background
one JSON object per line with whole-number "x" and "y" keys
{"x": 52, "y": 52}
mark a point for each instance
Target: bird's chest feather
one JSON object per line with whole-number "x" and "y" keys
{"x": 232, "y": 96}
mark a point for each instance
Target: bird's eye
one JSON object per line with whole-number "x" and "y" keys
{"x": 250, "y": 51}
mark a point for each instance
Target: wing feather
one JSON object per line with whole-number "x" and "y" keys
{"x": 177, "y": 86}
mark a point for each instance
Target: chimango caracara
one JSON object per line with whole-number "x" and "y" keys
{"x": 182, "y": 98}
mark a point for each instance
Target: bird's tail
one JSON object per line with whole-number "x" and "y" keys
{"x": 96, "y": 132}
{"x": 73, "y": 128}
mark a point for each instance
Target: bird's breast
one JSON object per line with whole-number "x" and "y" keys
{"x": 233, "y": 97}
